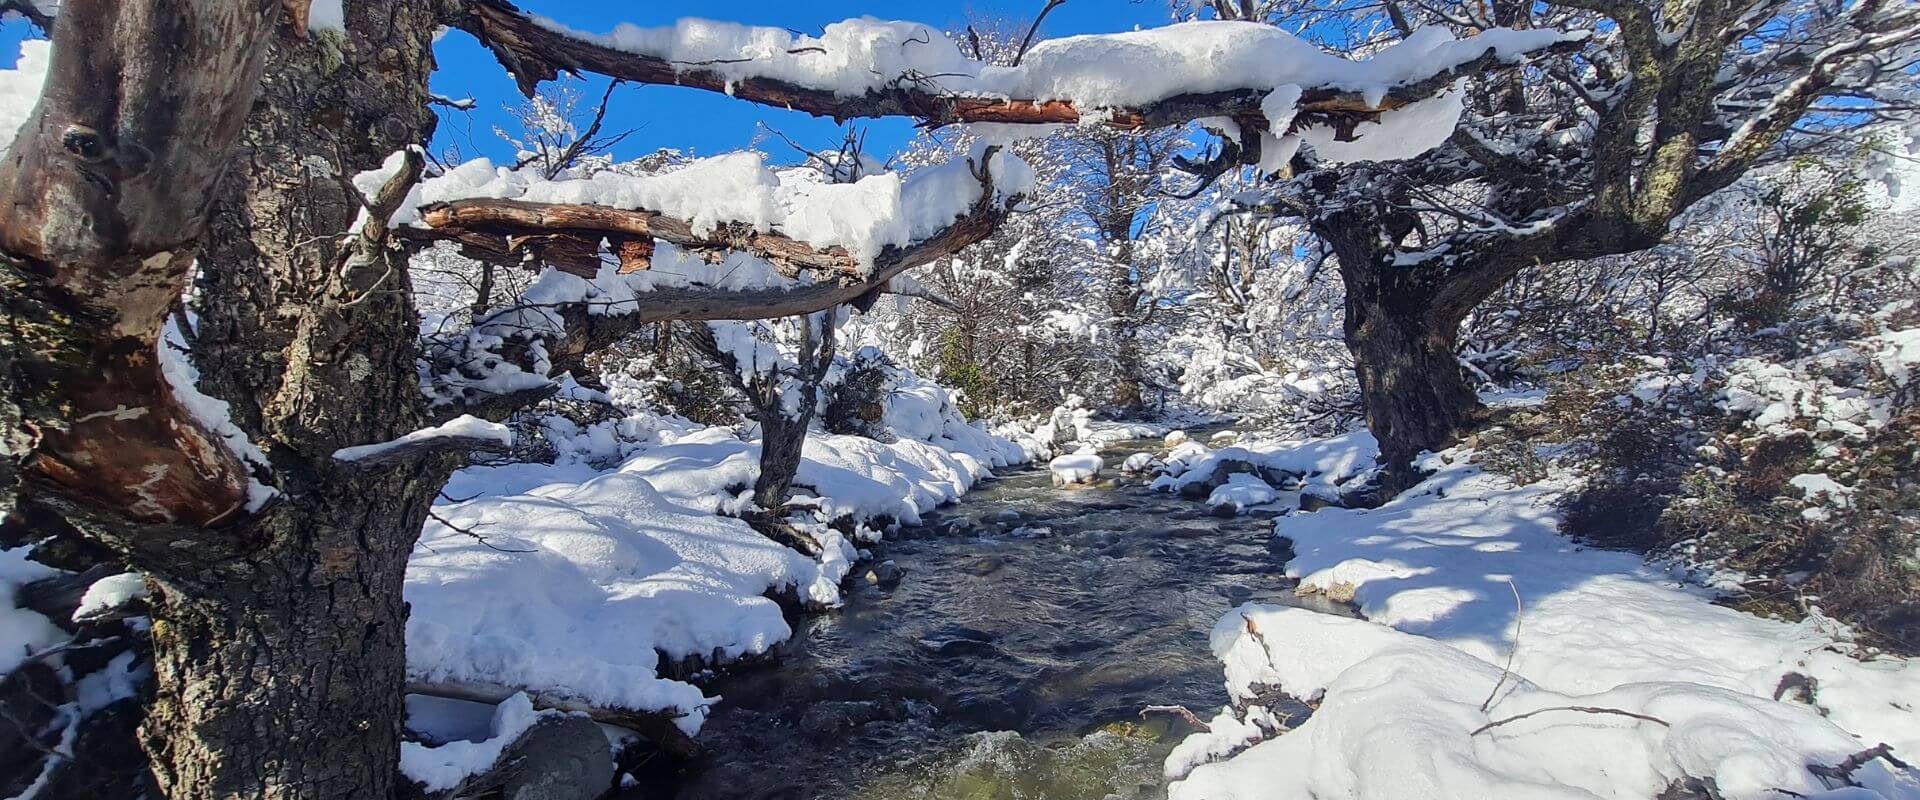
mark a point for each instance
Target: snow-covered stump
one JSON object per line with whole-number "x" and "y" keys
{"x": 1078, "y": 469}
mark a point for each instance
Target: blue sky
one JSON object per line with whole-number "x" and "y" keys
{"x": 703, "y": 122}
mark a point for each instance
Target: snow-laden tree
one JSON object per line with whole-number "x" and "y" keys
{"x": 1586, "y": 155}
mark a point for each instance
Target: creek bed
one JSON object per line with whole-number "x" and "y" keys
{"x": 1012, "y": 661}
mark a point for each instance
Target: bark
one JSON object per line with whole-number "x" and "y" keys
{"x": 279, "y": 675}
{"x": 144, "y": 102}
{"x": 784, "y": 436}
{"x": 280, "y": 670}
{"x": 1415, "y": 394}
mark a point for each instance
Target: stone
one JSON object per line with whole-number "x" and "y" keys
{"x": 886, "y": 574}
{"x": 561, "y": 758}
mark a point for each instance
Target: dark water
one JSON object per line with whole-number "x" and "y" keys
{"x": 1012, "y": 661}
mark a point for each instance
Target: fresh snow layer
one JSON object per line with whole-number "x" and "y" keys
{"x": 1440, "y": 573}
{"x": 20, "y": 87}
{"x": 864, "y": 217}
{"x": 1075, "y": 468}
{"x": 109, "y": 593}
{"x": 574, "y": 579}
{"x": 856, "y": 56}
{"x": 465, "y": 426}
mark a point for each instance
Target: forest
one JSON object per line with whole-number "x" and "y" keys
{"x": 1201, "y": 400}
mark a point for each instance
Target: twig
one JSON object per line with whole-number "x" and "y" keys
{"x": 1583, "y": 709}
{"x": 1178, "y": 711}
{"x": 477, "y": 536}
{"x": 1035, "y": 28}
{"x": 1843, "y": 771}
{"x": 1511, "y": 652}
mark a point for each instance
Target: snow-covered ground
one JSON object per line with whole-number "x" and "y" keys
{"x": 574, "y": 581}
{"x": 1466, "y": 577}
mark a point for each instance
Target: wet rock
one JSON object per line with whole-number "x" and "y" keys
{"x": 886, "y": 574}
{"x": 833, "y": 717}
{"x": 957, "y": 640}
{"x": 562, "y": 758}
{"x": 1316, "y": 499}
{"x": 984, "y": 566}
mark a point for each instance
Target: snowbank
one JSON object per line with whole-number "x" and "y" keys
{"x": 1441, "y": 573}
{"x": 1400, "y": 717}
{"x": 574, "y": 580}
{"x": 1321, "y": 465}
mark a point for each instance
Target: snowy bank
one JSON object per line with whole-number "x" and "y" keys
{"x": 1449, "y": 575}
{"x": 585, "y": 583}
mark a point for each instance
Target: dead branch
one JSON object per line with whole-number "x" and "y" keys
{"x": 1843, "y": 771}
{"x": 1035, "y": 28}
{"x": 1178, "y": 711}
{"x": 1507, "y": 671}
{"x": 1582, "y": 709}
{"x": 535, "y": 53}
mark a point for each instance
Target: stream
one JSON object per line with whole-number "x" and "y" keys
{"x": 1013, "y": 659}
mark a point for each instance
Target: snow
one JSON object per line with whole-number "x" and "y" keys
{"x": 465, "y": 426}
{"x": 111, "y": 592}
{"x": 441, "y": 767}
{"x": 1075, "y": 468}
{"x": 213, "y": 414}
{"x": 1242, "y": 491}
{"x": 1398, "y": 715}
{"x": 857, "y": 56}
{"x": 864, "y": 217}
{"x": 1402, "y": 133}
{"x": 23, "y": 632}
{"x": 1448, "y": 575}
{"x": 20, "y": 87}
{"x": 1324, "y": 465}
{"x": 586, "y": 576}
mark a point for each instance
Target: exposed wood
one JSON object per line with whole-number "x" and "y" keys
{"x": 144, "y": 102}
{"x": 535, "y": 53}
{"x": 506, "y": 227}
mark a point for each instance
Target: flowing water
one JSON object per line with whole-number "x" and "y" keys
{"x": 1013, "y": 659}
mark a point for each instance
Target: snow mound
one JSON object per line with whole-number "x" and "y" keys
{"x": 578, "y": 588}
{"x": 1400, "y": 717}
{"x": 1450, "y": 575}
{"x": 1068, "y": 470}
{"x": 1242, "y": 491}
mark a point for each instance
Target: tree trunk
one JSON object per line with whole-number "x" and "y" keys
{"x": 1401, "y": 328}
{"x": 1415, "y": 395}
{"x": 281, "y": 671}
{"x": 781, "y": 441}
{"x": 279, "y": 675}
{"x": 783, "y": 437}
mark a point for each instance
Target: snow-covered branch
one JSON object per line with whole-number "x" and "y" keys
{"x": 868, "y": 68}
